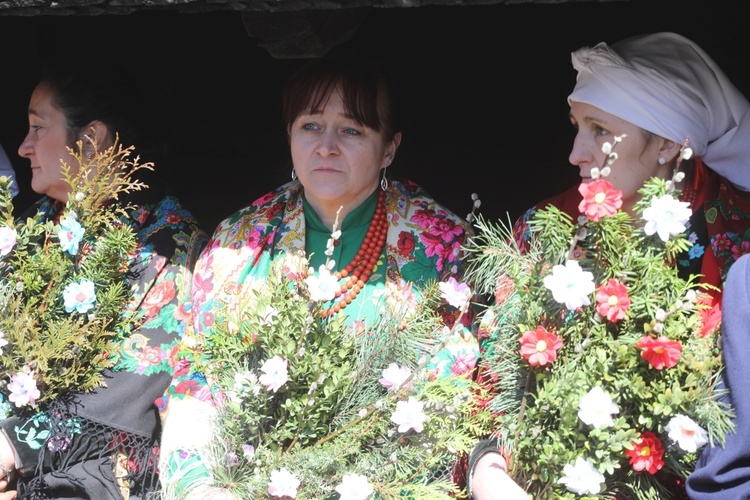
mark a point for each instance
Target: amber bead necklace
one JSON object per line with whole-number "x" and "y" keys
{"x": 364, "y": 263}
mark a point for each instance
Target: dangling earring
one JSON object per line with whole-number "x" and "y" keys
{"x": 662, "y": 160}
{"x": 294, "y": 175}
{"x": 383, "y": 180}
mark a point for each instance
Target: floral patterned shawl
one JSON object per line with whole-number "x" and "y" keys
{"x": 423, "y": 243}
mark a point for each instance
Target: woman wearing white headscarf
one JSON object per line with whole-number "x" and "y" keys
{"x": 663, "y": 92}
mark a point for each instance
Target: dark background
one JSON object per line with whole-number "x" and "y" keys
{"x": 485, "y": 90}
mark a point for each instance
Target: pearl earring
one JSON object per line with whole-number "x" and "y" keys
{"x": 662, "y": 160}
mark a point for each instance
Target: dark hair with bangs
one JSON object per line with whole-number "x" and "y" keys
{"x": 367, "y": 90}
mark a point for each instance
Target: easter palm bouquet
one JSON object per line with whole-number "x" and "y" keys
{"x": 314, "y": 409}
{"x": 63, "y": 283}
{"x": 605, "y": 386}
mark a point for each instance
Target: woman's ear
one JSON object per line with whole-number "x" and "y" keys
{"x": 669, "y": 150}
{"x": 393, "y": 146}
{"x": 97, "y": 133}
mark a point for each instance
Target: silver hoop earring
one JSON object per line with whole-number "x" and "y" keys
{"x": 294, "y": 175}
{"x": 662, "y": 160}
{"x": 384, "y": 181}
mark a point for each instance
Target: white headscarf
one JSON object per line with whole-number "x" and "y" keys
{"x": 667, "y": 85}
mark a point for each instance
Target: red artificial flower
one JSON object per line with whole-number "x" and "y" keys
{"x": 711, "y": 315}
{"x": 661, "y": 352}
{"x": 539, "y": 347}
{"x": 647, "y": 453}
{"x": 599, "y": 199}
{"x": 613, "y": 300}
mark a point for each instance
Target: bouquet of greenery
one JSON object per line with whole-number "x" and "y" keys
{"x": 63, "y": 283}
{"x": 605, "y": 386}
{"x": 314, "y": 410}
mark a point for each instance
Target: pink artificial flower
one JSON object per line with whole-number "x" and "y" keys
{"x": 613, "y": 300}
{"x": 456, "y": 294}
{"x": 394, "y": 377}
{"x": 660, "y": 353}
{"x": 248, "y": 451}
{"x": 599, "y": 199}
{"x": 647, "y": 453}
{"x": 23, "y": 390}
{"x": 539, "y": 347}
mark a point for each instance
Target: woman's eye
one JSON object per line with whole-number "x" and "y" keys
{"x": 309, "y": 126}
{"x": 600, "y": 130}
{"x": 351, "y": 131}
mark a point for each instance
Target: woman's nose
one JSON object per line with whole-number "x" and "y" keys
{"x": 328, "y": 144}
{"x": 25, "y": 149}
{"x": 581, "y": 152}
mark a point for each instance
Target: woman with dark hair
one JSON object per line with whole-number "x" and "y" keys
{"x": 110, "y": 434}
{"x": 394, "y": 239}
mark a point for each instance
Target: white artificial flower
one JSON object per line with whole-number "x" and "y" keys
{"x": 354, "y": 487}
{"x": 409, "y": 415}
{"x": 582, "y": 478}
{"x": 666, "y": 216}
{"x": 8, "y": 239}
{"x": 688, "y": 435}
{"x": 283, "y": 484}
{"x": 570, "y": 285}
{"x": 596, "y": 408}
{"x": 275, "y": 373}
{"x": 324, "y": 286}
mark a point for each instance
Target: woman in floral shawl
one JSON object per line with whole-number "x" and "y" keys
{"x": 343, "y": 135}
{"x": 103, "y": 444}
{"x": 658, "y": 92}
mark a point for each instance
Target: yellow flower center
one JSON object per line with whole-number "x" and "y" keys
{"x": 645, "y": 451}
{"x": 600, "y": 197}
{"x": 612, "y": 300}
{"x": 541, "y": 346}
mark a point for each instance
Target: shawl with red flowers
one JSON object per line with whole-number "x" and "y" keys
{"x": 424, "y": 242}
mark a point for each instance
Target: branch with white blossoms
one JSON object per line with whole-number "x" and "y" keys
{"x": 63, "y": 291}
{"x": 313, "y": 408}
{"x": 606, "y": 384}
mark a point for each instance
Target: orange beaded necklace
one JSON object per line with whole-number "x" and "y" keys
{"x": 365, "y": 262}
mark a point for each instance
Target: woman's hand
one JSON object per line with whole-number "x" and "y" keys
{"x": 7, "y": 464}
{"x": 6, "y": 495}
{"x": 492, "y": 482}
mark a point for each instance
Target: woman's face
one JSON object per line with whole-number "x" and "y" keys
{"x": 45, "y": 145}
{"x": 637, "y": 157}
{"x": 337, "y": 160}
